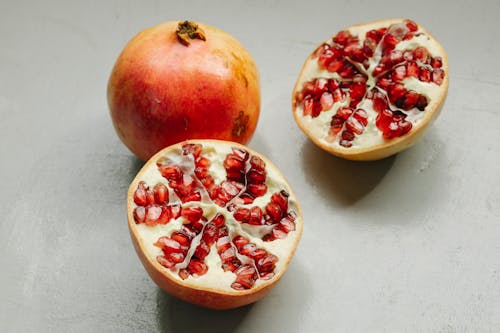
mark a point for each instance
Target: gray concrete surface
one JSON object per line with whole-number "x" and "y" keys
{"x": 407, "y": 244}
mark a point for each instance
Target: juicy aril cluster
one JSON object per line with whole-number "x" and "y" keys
{"x": 370, "y": 90}
{"x": 216, "y": 216}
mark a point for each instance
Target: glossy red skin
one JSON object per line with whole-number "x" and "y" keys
{"x": 161, "y": 92}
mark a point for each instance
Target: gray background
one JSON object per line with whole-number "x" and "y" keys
{"x": 407, "y": 244}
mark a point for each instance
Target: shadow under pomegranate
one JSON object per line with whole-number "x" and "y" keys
{"x": 341, "y": 180}
{"x": 175, "y": 315}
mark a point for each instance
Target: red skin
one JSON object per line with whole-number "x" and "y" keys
{"x": 162, "y": 92}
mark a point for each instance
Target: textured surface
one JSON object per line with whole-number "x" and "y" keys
{"x": 406, "y": 244}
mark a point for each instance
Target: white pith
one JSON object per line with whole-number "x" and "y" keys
{"x": 319, "y": 127}
{"x": 216, "y": 278}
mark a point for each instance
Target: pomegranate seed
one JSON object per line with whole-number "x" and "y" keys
{"x": 345, "y": 112}
{"x": 247, "y": 249}
{"x": 337, "y": 123}
{"x": 175, "y": 211}
{"x": 267, "y": 263}
{"x": 361, "y": 116}
{"x": 239, "y": 241}
{"x": 176, "y": 258}
{"x": 160, "y": 193}
{"x": 153, "y": 212}
{"x": 396, "y": 57}
{"x": 168, "y": 245}
{"x": 256, "y": 177}
{"x": 201, "y": 250}
{"x": 139, "y": 214}
{"x": 308, "y": 106}
{"x": 408, "y": 55}
{"x": 335, "y": 66}
{"x": 399, "y": 73}
{"x": 223, "y": 243}
{"x": 257, "y": 190}
{"x": 197, "y": 267}
{"x": 164, "y": 216}
{"x": 227, "y": 255}
{"x": 396, "y": 92}
{"x": 389, "y": 42}
{"x": 278, "y": 234}
{"x": 384, "y": 83}
{"x": 170, "y": 172}
{"x": 326, "y": 100}
{"x": 165, "y": 262}
{"x": 192, "y": 149}
{"x": 436, "y": 62}
{"x": 332, "y": 84}
{"x": 358, "y": 91}
{"x": 411, "y": 25}
{"x": 369, "y": 46}
{"x": 353, "y": 125}
{"x": 258, "y": 164}
{"x": 421, "y": 54}
{"x": 410, "y": 100}
{"x": 274, "y": 211}
{"x": 286, "y": 225}
{"x": 425, "y": 75}
{"x": 342, "y": 37}
{"x": 338, "y": 95}
{"x": 255, "y": 216}
{"x": 437, "y": 76}
{"x": 421, "y": 103}
{"x": 412, "y": 69}
{"x": 180, "y": 238}
{"x": 192, "y": 214}
{"x": 140, "y": 197}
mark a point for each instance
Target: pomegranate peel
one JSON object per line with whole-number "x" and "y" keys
{"x": 213, "y": 222}
{"x": 183, "y": 80}
{"x": 371, "y": 90}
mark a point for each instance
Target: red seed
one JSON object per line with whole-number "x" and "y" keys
{"x": 191, "y": 149}
{"x": 336, "y": 123}
{"x": 345, "y": 112}
{"x": 342, "y": 37}
{"x": 180, "y": 238}
{"x": 239, "y": 241}
{"x": 425, "y": 75}
{"x": 255, "y": 216}
{"x": 338, "y": 95}
{"x": 197, "y": 267}
{"x": 153, "y": 212}
{"x": 361, "y": 116}
{"x": 412, "y": 69}
{"x": 399, "y": 73}
{"x": 421, "y": 54}
{"x": 255, "y": 177}
{"x": 326, "y": 100}
{"x": 222, "y": 244}
{"x": 436, "y": 62}
{"x": 438, "y": 76}
{"x": 258, "y": 164}
{"x": 267, "y": 263}
{"x": 160, "y": 193}
{"x": 192, "y": 214}
{"x": 257, "y": 190}
{"x": 140, "y": 194}
{"x": 176, "y": 258}
{"x": 139, "y": 214}
{"x": 274, "y": 211}
{"x": 286, "y": 224}
{"x": 411, "y": 25}
{"x": 165, "y": 262}
{"x": 353, "y": 125}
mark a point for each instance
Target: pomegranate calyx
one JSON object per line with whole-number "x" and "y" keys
{"x": 187, "y": 31}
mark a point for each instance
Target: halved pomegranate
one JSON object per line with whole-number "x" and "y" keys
{"x": 213, "y": 222}
{"x": 371, "y": 90}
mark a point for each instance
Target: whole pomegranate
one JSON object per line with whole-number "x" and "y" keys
{"x": 371, "y": 90}
{"x": 213, "y": 222}
{"x": 183, "y": 80}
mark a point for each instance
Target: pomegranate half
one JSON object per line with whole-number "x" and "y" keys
{"x": 213, "y": 222}
{"x": 183, "y": 80}
{"x": 371, "y": 90}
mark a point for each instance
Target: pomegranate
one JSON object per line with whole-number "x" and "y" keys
{"x": 371, "y": 90}
{"x": 183, "y": 80}
{"x": 213, "y": 222}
